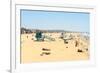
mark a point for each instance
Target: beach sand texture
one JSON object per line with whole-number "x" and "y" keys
{"x": 73, "y": 49}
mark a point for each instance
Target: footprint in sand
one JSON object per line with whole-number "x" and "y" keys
{"x": 45, "y": 51}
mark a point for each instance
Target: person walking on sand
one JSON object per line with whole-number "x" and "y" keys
{"x": 76, "y": 43}
{"x": 62, "y": 35}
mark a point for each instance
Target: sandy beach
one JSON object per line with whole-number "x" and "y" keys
{"x": 76, "y": 48}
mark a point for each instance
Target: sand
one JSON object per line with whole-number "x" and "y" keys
{"x": 32, "y": 50}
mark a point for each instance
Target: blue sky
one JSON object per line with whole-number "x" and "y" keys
{"x": 70, "y": 21}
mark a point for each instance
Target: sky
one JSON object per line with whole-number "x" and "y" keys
{"x": 50, "y": 20}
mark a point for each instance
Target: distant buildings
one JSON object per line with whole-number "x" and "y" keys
{"x": 26, "y": 31}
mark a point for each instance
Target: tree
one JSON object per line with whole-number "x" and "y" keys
{"x": 38, "y": 35}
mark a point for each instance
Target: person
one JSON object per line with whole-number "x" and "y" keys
{"x": 62, "y": 35}
{"x": 76, "y": 43}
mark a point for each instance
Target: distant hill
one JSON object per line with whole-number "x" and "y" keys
{"x": 27, "y": 30}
